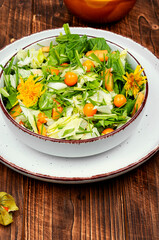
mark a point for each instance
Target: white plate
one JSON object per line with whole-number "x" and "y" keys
{"x": 128, "y": 155}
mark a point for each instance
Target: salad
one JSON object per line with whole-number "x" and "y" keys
{"x": 75, "y": 88}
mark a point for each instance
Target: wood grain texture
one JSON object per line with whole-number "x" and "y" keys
{"x": 125, "y": 207}
{"x": 16, "y": 20}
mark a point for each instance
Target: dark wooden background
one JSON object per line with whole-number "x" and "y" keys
{"x": 125, "y": 207}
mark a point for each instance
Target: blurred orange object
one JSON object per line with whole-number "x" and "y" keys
{"x": 100, "y": 11}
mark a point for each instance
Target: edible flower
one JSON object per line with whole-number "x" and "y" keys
{"x": 30, "y": 91}
{"x": 134, "y": 80}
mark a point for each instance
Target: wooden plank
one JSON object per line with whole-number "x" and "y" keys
{"x": 138, "y": 201}
{"x": 48, "y": 14}
{"x": 15, "y": 21}
{"x": 12, "y": 183}
{"x": 126, "y": 206}
{"x": 141, "y": 24}
{"x": 15, "y": 18}
{"x": 63, "y": 212}
{"x": 38, "y": 211}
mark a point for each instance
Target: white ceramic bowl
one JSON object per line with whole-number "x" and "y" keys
{"x": 74, "y": 148}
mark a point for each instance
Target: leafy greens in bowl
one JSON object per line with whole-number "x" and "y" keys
{"x": 73, "y": 89}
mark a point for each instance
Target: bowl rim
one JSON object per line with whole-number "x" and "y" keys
{"x": 101, "y": 137}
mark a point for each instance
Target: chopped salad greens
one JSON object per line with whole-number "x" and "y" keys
{"x": 75, "y": 89}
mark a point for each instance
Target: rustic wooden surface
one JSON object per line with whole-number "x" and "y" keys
{"x": 122, "y": 208}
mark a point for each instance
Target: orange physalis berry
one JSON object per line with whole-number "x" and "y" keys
{"x": 107, "y": 130}
{"x": 64, "y": 64}
{"x": 71, "y": 78}
{"x": 89, "y": 110}
{"x": 88, "y": 64}
{"x": 54, "y": 70}
{"x": 119, "y": 100}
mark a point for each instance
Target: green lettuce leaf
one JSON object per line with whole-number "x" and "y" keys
{"x": 46, "y": 101}
{"x": 115, "y": 63}
{"x": 98, "y": 44}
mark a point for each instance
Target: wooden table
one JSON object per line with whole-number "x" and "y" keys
{"x": 122, "y": 208}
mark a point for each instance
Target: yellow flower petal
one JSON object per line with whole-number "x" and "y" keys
{"x": 30, "y": 91}
{"x": 134, "y": 80}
